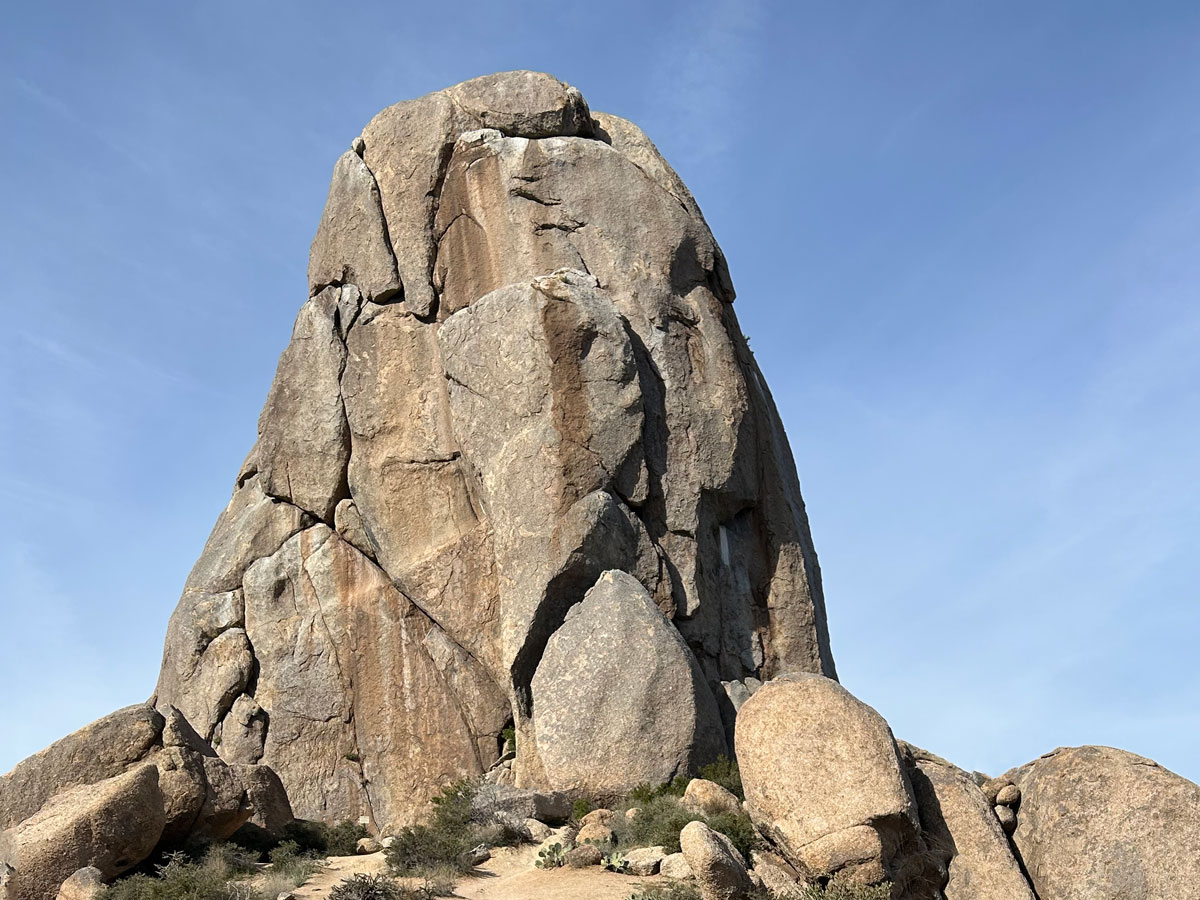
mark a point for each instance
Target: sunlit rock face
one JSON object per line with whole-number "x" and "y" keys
{"x": 518, "y": 377}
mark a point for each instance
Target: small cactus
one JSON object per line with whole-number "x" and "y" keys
{"x": 550, "y": 857}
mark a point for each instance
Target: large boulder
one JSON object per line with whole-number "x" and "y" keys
{"x": 96, "y": 752}
{"x": 618, "y": 699}
{"x": 959, "y": 825}
{"x": 111, "y": 825}
{"x": 822, "y": 775}
{"x": 1102, "y": 824}
{"x": 518, "y": 367}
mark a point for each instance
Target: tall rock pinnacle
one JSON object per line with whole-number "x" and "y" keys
{"x": 517, "y": 465}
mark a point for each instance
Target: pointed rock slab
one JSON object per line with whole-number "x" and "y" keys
{"x": 959, "y": 826}
{"x": 407, "y": 145}
{"x": 719, "y": 869}
{"x": 822, "y": 775}
{"x": 352, "y": 245}
{"x": 111, "y": 825}
{"x": 618, "y": 699}
{"x": 1102, "y": 824}
{"x": 544, "y": 391}
{"x": 303, "y": 437}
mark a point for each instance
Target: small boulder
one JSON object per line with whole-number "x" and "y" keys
{"x": 992, "y": 787}
{"x": 367, "y": 845}
{"x": 595, "y": 833}
{"x": 675, "y": 865}
{"x": 776, "y": 875}
{"x": 598, "y": 816}
{"x": 632, "y": 813}
{"x": 551, "y": 807}
{"x": 1007, "y": 818}
{"x": 583, "y": 856}
{"x": 85, "y": 884}
{"x": 710, "y": 798}
{"x": 538, "y": 831}
{"x": 644, "y": 861}
{"x": 1009, "y": 795}
{"x": 719, "y": 869}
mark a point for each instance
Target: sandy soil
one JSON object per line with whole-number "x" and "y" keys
{"x": 509, "y": 875}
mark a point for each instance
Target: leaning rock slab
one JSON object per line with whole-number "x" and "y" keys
{"x": 618, "y": 699}
{"x": 1102, "y": 824}
{"x": 822, "y": 773}
{"x": 960, "y": 826}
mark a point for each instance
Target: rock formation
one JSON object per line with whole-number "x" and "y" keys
{"x": 518, "y": 369}
{"x": 518, "y": 469}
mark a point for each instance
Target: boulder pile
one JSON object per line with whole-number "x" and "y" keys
{"x": 521, "y": 510}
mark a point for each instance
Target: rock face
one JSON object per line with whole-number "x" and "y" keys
{"x": 718, "y": 868}
{"x": 1101, "y": 824}
{"x": 518, "y": 369}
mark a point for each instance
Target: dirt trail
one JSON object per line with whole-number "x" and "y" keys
{"x": 509, "y": 875}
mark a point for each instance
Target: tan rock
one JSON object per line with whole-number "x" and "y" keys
{"x": 822, "y": 772}
{"x": 352, "y": 246}
{"x": 675, "y": 865}
{"x": 650, "y": 716}
{"x": 1006, "y": 817}
{"x": 595, "y": 833}
{"x": 86, "y": 884}
{"x": 367, "y": 845}
{"x": 599, "y": 817}
{"x": 719, "y": 869}
{"x": 583, "y": 856}
{"x": 96, "y": 752}
{"x": 959, "y": 825}
{"x": 710, "y": 798}
{"x": 111, "y": 826}
{"x": 776, "y": 874}
{"x": 643, "y": 862}
{"x": 1105, "y": 824}
{"x": 1009, "y": 795}
{"x": 303, "y": 436}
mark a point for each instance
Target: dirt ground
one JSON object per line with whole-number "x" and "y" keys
{"x": 509, "y": 875}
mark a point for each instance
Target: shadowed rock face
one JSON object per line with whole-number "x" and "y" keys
{"x": 518, "y": 369}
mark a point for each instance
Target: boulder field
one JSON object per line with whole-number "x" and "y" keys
{"x": 521, "y": 509}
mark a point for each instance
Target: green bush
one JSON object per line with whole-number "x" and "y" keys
{"x": 417, "y": 849}
{"x": 725, "y": 773}
{"x": 661, "y": 819}
{"x": 366, "y": 887}
{"x": 333, "y": 840}
{"x": 580, "y": 808}
{"x": 832, "y": 891}
{"x": 644, "y": 793}
{"x": 180, "y": 879}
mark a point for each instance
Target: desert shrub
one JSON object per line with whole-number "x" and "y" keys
{"x": 644, "y": 793}
{"x": 181, "y": 879}
{"x": 319, "y": 838}
{"x": 418, "y": 849}
{"x": 672, "y": 890}
{"x": 230, "y": 860}
{"x": 831, "y": 891}
{"x": 662, "y": 818}
{"x": 290, "y": 867}
{"x": 725, "y": 773}
{"x": 365, "y": 887}
{"x": 452, "y": 807}
{"x": 580, "y": 808}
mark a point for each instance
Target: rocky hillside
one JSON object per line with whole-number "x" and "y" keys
{"x": 522, "y": 510}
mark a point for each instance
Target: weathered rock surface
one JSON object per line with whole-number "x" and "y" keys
{"x": 86, "y": 884}
{"x": 518, "y": 368}
{"x": 111, "y": 825}
{"x": 822, "y": 772}
{"x": 719, "y": 869}
{"x": 1101, "y": 824}
{"x": 960, "y": 827}
{"x": 618, "y": 699}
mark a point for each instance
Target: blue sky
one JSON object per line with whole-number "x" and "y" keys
{"x": 964, "y": 238}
